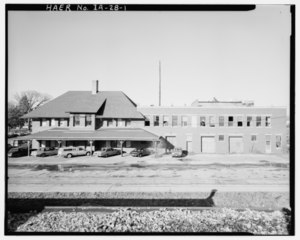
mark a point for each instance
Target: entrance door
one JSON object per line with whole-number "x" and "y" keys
{"x": 236, "y": 145}
{"x": 208, "y": 144}
{"x": 268, "y": 144}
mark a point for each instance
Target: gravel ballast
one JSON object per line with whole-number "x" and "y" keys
{"x": 162, "y": 220}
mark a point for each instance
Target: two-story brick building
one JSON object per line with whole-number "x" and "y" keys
{"x": 220, "y": 127}
{"x": 110, "y": 118}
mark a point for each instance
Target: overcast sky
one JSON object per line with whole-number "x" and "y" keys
{"x": 227, "y": 55}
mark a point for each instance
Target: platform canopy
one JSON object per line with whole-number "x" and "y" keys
{"x": 104, "y": 134}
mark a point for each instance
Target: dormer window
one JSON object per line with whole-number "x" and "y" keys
{"x": 88, "y": 120}
{"x": 76, "y": 119}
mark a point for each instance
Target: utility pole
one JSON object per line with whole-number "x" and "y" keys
{"x": 159, "y": 103}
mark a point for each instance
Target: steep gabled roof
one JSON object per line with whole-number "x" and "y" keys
{"x": 113, "y": 104}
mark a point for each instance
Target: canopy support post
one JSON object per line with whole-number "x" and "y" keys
{"x": 91, "y": 146}
{"x": 121, "y": 142}
{"x": 28, "y": 145}
{"x": 156, "y": 149}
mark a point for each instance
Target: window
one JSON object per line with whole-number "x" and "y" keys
{"x": 67, "y": 121}
{"x": 174, "y": 121}
{"x": 76, "y": 120}
{"x": 165, "y": 121}
{"x": 127, "y": 123}
{"x": 240, "y": 121}
{"x": 41, "y": 122}
{"x": 109, "y": 122}
{"x": 230, "y": 121}
{"x": 221, "y": 121}
{"x": 202, "y": 121}
{"x": 52, "y": 122}
{"x": 156, "y": 121}
{"x": 147, "y": 121}
{"x": 249, "y": 120}
{"x": 212, "y": 121}
{"x": 278, "y": 141}
{"x": 253, "y": 138}
{"x": 88, "y": 120}
{"x": 184, "y": 121}
{"x": 268, "y": 121}
{"x": 221, "y": 137}
{"x": 258, "y": 121}
{"x": 58, "y": 122}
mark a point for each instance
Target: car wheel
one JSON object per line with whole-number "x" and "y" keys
{"x": 43, "y": 155}
{"x": 140, "y": 155}
{"x": 106, "y": 155}
{"x": 88, "y": 153}
{"x": 69, "y": 155}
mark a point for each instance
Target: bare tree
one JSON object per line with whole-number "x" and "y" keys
{"x": 29, "y": 100}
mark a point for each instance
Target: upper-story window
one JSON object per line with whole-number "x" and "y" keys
{"x": 76, "y": 120}
{"x": 184, "y": 121}
{"x": 88, "y": 120}
{"x": 268, "y": 121}
{"x": 147, "y": 121}
{"x": 240, "y": 121}
{"x": 202, "y": 121}
{"x": 249, "y": 121}
{"x": 221, "y": 121}
{"x": 258, "y": 121}
{"x": 174, "y": 121}
{"x": 212, "y": 121}
{"x": 156, "y": 121}
{"x": 166, "y": 121}
{"x": 230, "y": 121}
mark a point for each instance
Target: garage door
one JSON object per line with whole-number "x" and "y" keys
{"x": 208, "y": 144}
{"x": 236, "y": 145}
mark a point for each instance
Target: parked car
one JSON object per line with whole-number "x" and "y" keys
{"x": 178, "y": 152}
{"x": 72, "y": 152}
{"x": 17, "y": 152}
{"x": 107, "y": 152}
{"x": 9, "y": 146}
{"x": 46, "y": 151}
{"x": 140, "y": 152}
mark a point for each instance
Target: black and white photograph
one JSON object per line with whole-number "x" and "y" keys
{"x": 150, "y": 119}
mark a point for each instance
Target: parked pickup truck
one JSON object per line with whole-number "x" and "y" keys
{"x": 72, "y": 152}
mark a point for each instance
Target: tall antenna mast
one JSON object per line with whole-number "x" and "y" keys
{"x": 159, "y": 103}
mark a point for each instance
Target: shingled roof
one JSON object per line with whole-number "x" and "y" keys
{"x": 108, "y": 104}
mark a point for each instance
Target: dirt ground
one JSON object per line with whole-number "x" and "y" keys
{"x": 193, "y": 173}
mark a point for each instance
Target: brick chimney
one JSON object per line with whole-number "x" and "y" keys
{"x": 95, "y": 87}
